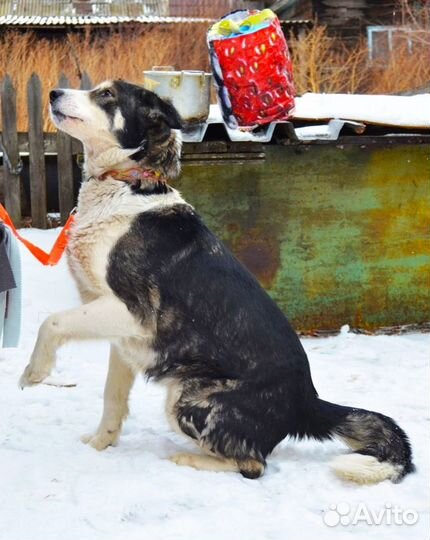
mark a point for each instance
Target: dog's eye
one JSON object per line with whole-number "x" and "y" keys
{"x": 106, "y": 93}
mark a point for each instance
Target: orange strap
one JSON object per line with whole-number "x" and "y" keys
{"x": 47, "y": 259}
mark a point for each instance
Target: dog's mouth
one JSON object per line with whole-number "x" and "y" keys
{"x": 61, "y": 116}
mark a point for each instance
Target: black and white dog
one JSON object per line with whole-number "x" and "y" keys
{"x": 177, "y": 306}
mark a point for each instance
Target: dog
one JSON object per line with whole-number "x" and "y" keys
{"x": 177, "y": 306}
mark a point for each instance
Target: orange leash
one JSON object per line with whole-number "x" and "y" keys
{"x": 47, "y": 259}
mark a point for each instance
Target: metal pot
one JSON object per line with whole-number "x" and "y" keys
{"x": 188, "y": 90}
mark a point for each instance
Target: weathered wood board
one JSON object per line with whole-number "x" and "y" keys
{"x": 12, "y": 165}
{"x": 37, "y": 152}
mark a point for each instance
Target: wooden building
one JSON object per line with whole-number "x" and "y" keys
{"x": 348, "y": 18}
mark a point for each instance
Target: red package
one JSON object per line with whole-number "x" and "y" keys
{"x": 254, "y": 77}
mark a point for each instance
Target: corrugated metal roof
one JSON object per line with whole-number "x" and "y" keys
{"x": 328, "y": 131}
{"x": 82, "y": 20}
{"x": 51, "y": 8}
{"x": 31, "y": 20}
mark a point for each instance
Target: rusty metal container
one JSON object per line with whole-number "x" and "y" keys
{"x": 337, "y": 233}
{"x": 189, "y": 91}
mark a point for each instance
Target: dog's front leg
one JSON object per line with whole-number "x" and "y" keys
{"x": 117, "y": 389}
{"x": 104, "y": 318}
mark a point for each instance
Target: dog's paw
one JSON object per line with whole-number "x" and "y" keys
{"x": 100, "y": 441}
{"x": 185, "y": 459}
{"x": 32, "y": 376}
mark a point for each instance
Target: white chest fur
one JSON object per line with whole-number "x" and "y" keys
{"x": 105, "y": 212}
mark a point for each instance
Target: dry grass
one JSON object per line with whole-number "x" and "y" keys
{"x": 404, "y": 71}
{"x": 323, "y": 63}
{"x": 417, "y": 18}
{"x": 115, "y": 54}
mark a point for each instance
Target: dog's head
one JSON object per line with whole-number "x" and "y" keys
{"x": 120, "y": 119}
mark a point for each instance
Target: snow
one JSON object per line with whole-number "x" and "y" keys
{"x": 55, "y": 487}
{"x": 329, "y": 132}
{"x": 402, "y": 111}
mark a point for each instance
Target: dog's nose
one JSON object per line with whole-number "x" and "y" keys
{"x": 54, "y": 95}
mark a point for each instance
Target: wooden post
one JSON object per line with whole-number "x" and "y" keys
{"x": 1, "y": 187}
{"x": 12, "y": 164}
{"x": 37, "y": 153}
{"x": 64, "y": 167}
{"x": 86, "y": 83}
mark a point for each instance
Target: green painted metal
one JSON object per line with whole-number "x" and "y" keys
{"x": 336, "y": 234}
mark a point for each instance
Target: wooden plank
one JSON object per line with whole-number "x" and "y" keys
{"x": 204, "y": 148}
{"x": 11, "y": 169}
{"x": 86, "y": 83}
{"x": 65, "y": 167}
{"x": 37, "y": 156}
{"x": 50, "y": 144}
{"x": 1, "y": 187}
{"x": 244, "y": 156}
{"x": 216, "y": 147}
{"x": 346, "y": 4}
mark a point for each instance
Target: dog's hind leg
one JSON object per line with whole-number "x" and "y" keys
{"x": 205, "y": 462}
{"x": 249, "y": 468}
{"x": 104, "y": 318}
{"x": 196, "y": 409}
{"x": 119, "y": 382}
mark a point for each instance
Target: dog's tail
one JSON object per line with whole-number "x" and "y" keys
{"x": 381, "y": 448}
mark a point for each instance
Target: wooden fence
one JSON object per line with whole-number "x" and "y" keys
{"x": 11, "y": 183}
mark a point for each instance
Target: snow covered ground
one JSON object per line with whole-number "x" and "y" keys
{"x": 53, "y": 486}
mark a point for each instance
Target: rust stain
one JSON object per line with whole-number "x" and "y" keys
{"x": 396, "y": 234}
{"x": 260, "y": 253}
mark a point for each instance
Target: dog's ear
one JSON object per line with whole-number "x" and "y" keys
{"x": 169, "y": 113}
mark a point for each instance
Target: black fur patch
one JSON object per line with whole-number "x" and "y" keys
{"x": 150, "y": 188}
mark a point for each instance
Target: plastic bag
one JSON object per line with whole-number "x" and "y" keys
{"x": 252, "y": 68}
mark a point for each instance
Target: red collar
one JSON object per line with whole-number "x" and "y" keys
{"x": 133, "y": 175}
